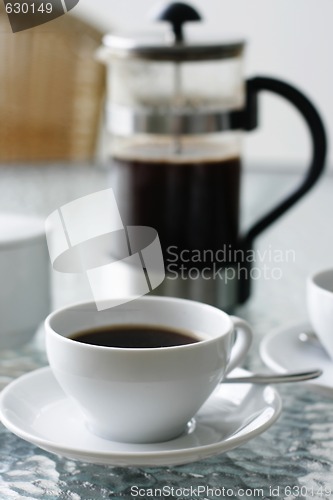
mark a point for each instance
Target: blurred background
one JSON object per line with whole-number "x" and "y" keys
{"x": 52, "y": 108}
{"x": 49, "y": 73}
{"x": 288, "y": 40}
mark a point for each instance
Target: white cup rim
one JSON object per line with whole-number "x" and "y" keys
{"x": 316, "y": 280}
{"x": 50, "y": 329}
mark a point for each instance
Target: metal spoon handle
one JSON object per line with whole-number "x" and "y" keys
{"x": 276, "y": 378}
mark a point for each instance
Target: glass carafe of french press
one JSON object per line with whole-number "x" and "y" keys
{"x": 176, "y": 111}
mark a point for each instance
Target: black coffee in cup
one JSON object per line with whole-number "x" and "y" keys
{"x": 135, "y": 336}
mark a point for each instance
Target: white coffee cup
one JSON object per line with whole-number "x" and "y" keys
{"x": 24, "y": 274}
{"x": 144, "y": 394}
{"x": 320, "y": 306}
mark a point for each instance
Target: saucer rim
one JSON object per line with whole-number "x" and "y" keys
{"x": 292, "y": 328}
{"x": 111, "y": 457}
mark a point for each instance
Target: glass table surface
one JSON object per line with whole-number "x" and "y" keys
{"x": 293, "y": 459}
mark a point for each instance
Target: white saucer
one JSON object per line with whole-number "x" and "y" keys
{"x": 35, "y": 408}
{"x": 282, "y": 350}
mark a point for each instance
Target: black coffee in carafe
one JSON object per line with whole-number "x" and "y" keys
{"x": 194, "y": 205}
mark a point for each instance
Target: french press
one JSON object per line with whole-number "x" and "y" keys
{"x": 175, "y": 114}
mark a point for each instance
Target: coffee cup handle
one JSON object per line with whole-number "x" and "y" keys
{"x": 242, "y": 343}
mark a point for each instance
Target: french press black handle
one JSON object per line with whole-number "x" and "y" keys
{"x": 318, "y": 137}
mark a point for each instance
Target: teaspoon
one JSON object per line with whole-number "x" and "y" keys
{"x": 274, "y": 378}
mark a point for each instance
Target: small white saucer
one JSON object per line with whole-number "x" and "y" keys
{"x": 35, "y": 408}
{"x": 282, "y": 350}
